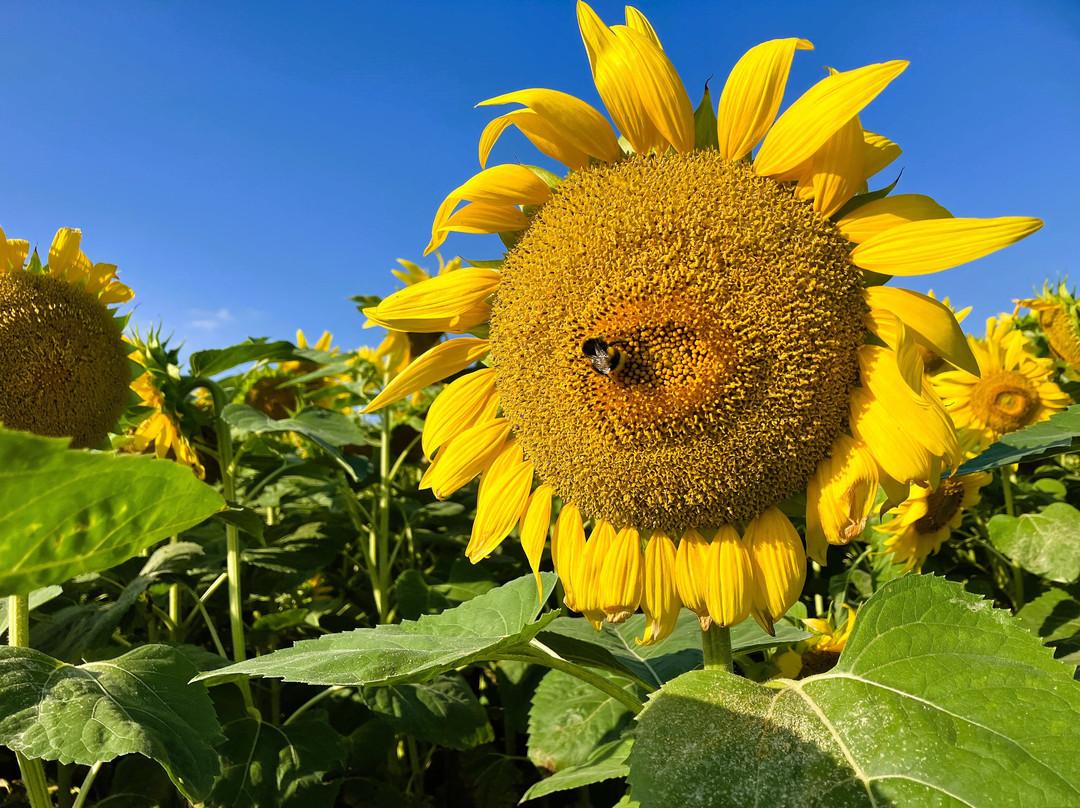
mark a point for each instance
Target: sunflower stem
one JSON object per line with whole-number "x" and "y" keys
{"x": 88, "y": 781}
{"x": 382, "y": 531}
{"x": 716, "y": 646}
{"x": 1007, "y": 490}
{"x": 33, "y": 772}
{"x": 174, "y": 604}
{"x": 1010, "y": 509}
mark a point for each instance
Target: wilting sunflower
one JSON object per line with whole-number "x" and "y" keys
{"x": 1058, "y": 312}
{"x": 683, "y": 335}
{"x": 63, "y": 364}
{"x": 1013, "y": 389}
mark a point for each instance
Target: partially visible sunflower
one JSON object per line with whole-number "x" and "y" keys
{"x": 819, "y": 653}
{"x": 1058, "y": 312}
{"x": 63, "y": 363}
{"x": 1013, "y": 389}
{"x": 170, "y": 418}
{"x": 275, "y": 391}
{"x": 684, "y": 334}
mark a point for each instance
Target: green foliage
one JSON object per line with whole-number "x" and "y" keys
{"x": 604, "y": 763}
{"x": 64, "y": 513}
{"x": 1045, "y": 543}
{"x": 442, "y": 711}
{"x": 1055, "y": 617}
{"x": 1058, "y": 435}
{"x": 937, "y": 699}
{"x": 137, "y": 702}
{"x": 218, "y": 360}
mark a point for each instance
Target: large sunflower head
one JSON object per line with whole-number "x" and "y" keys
{"x": 1013, "y": 389}
{"x": 63, "y": 364}
{"x": 684, "y": 336}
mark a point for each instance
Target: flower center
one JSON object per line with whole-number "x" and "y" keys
{"x": 63, "y": 364}
{"x": 941, "y": 505}
{"x": 674, "y": 341}
{"x": 1005, "y": 401}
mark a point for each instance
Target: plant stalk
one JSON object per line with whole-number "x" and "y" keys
{"x": 1015, "y": 568}
{"x": 33, "y": 772}
{"x": 541, "y": 654}
{"x": 716, "y": 646}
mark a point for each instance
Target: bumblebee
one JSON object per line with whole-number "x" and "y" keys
{"x": 605, "y": 358}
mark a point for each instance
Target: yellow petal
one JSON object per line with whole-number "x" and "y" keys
{"x": 917, "y": 248}
{"x": 819, "y": 113}
{"x": 567, "y": 551}
{"x": 879, "y": 152}
{"x": 445, "y": 359}
{"x": 778, "y": 564}
{"x": 437, "y": 304}
{"x": 500, "y": 501}
{"x": 582, "y": 126}
{"x": 542, "y": 134}
{"x": 13, "y": 253}
{"x": 498, "y": 185}
{"x": 692, "y": 574}
{"x": 622, "y": 577}
{"x": 752, "y": 95}
{"x": 465, "y": 456}
{"x": 661, "y": 91}
{"x": 64, "y": 251}
{"x": 659, "y": 598}
{"x": 464, "y": 403}
{"x": 589, "y": 589}
{"x": 730, "y": 587}
{"x": 901, "y": 456}
{"x": 846, "y": 485}
{"x": 535, "y": 522}
{"x": 929, "y": 321}
{"x": 836, "y": 169}
{"x": 480, "y": 217}
{"x": 880, "y": 215}
{"x": 636, "y": 20}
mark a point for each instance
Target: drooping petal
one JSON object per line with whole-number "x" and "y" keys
{"x": 819, "y": 113}
{"x": 845, "y": 485}
{"x": 622, "y": 576}
{"x": 445, "y": 359}
{"x": 437, "y": 304}
{"x": 535, "y": 522}
{"x": 465, "y": 456}
{"x": 917, "y": 248}
{"x": 589, "y": 587}
{"x": 480, "y": 217}
{"x": 660, "y": 598}
{"x": 583, "y": 127}
{"x": 929, "y": 321}
{"x": 464, "y": 403}
{"x": 498, "y": 185}
{"x": 879, "y": 152}
{"x": 567, "y": 552}
{"x": 882, "y": 214}
{"x": 500, "y": 500}
{"x": 692, "y": 574}
{"x": 542, "y": 134}
{"x": 778, "y": 563}
{"x": 730, "y": 589}
{"x": 900, "y": 455}
{"x": 752, "y": 95}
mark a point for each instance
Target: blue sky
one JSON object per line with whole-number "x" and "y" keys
{"x": 250, "y": 166}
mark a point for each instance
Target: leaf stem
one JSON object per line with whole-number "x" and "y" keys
{"x": 716, "y": 646}
{"x": 307, "y": 705}
{"x": 33, "y": 772}
{"x": 84, "y": 789}
{"x": 1010, "y": 509}
{"x": 541, "y": 654}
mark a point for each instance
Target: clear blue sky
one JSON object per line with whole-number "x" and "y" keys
{"x": 250, "y": 166}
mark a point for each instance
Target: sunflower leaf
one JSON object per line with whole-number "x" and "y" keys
{"x": 64, "y": 513}
{"x": 138, "y": 702}
{"x": 938, "y": 699}
{"x": 444, "y": 711}
{"x": 1045, "y": 543}
{"x": 605, "y": 763}
{"x": 492, "y": 626}
{"x": 1055, "y": 616}
{"x": 218, "y": 360}
{"x": 1058, "y": 435}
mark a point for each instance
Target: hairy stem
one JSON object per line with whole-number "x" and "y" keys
{"x": 716, "y": 645}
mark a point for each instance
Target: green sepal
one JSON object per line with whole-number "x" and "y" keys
{"x": 705, "y": 135}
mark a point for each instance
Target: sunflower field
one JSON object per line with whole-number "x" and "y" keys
{"x": 674, "y": 501}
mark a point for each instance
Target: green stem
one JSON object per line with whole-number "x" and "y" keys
{"x": 33, "y": 772}
{"x": 716, "y": 645}
{"x": 543, "y": 655}
{"x": 84, "y": 789}
{"x": 382, "y": 536}
{"x": 174, "y": 603}
{"x": 307, "y": 705}
{"x": 1010, "y": 509}
{"x": 1007, "y": 490}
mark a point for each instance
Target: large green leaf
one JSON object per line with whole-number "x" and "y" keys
{"x": 570, "y": 718}
{"x": 938, "y": 699}
{"x": 215, "y": 361}
{"x": 137, "y": 702}
{"x": 268, "y": 766}
{"x": 614, "y": 648}
{"x": 1059, "y": 434}
{"x": 443, "y": 711}
{"x": 605, "y": 763}
{"x": 1045, "y": 543}
{"x": 485, "y": 628}
{"x": 63, "y": 512}
{"x": 1055, "y": 616}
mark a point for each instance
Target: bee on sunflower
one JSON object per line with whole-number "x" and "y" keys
{"x": 733, "y": 259}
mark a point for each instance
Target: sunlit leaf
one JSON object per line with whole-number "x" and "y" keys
{"x": 1046, "y": 543}
{"x": 1058, "y": 435}
{"x": 605, "y": 763}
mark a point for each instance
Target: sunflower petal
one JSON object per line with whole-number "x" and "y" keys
{"x": 500, "y": 501}
{"x": 819, "y": 113}
{"x": 567, "y": 551}
{"x": 464, "y": 403}
{"x": 730, "y": 588}
{"x": 542, "y": 134}
{"x": 622, "y": 576}
{"x": 445, "y": 359}
{"x": 836, "y": 169}
{"x": 659, "y": 597}
{"x": 465, "y": 456}
{"x": 752, "y": 95}
{"x": 692, "y": 574}
{"x": 535, "y": 522}
{"x": 882, "y": 214}
{"x": 480, "y": 217}
{"x": 929, "y": 321}
{"x": 637, "y": 21}
{"x": 436, "y": 304}
{"x": 778, "y": 564}
{"x": 878, "y": 152}
{"x": 64, "y": 252}
{"x": 583, "y": 127}
{"x": 917, "y": 248}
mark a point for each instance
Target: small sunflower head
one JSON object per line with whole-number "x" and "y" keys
{"x": 1058, "y": 312}
{"x": 63, "y": 361}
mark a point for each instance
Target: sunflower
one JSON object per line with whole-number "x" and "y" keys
{"x": 819, "y": 653}
{"x": 922, "y": 523}
{"x": 1013, "y": 389}
{"x": 1058, "y": 312}
{"x": 684, "y": 336}
{"x": 276, "y": 393}
{"x": 63, "y": 363}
